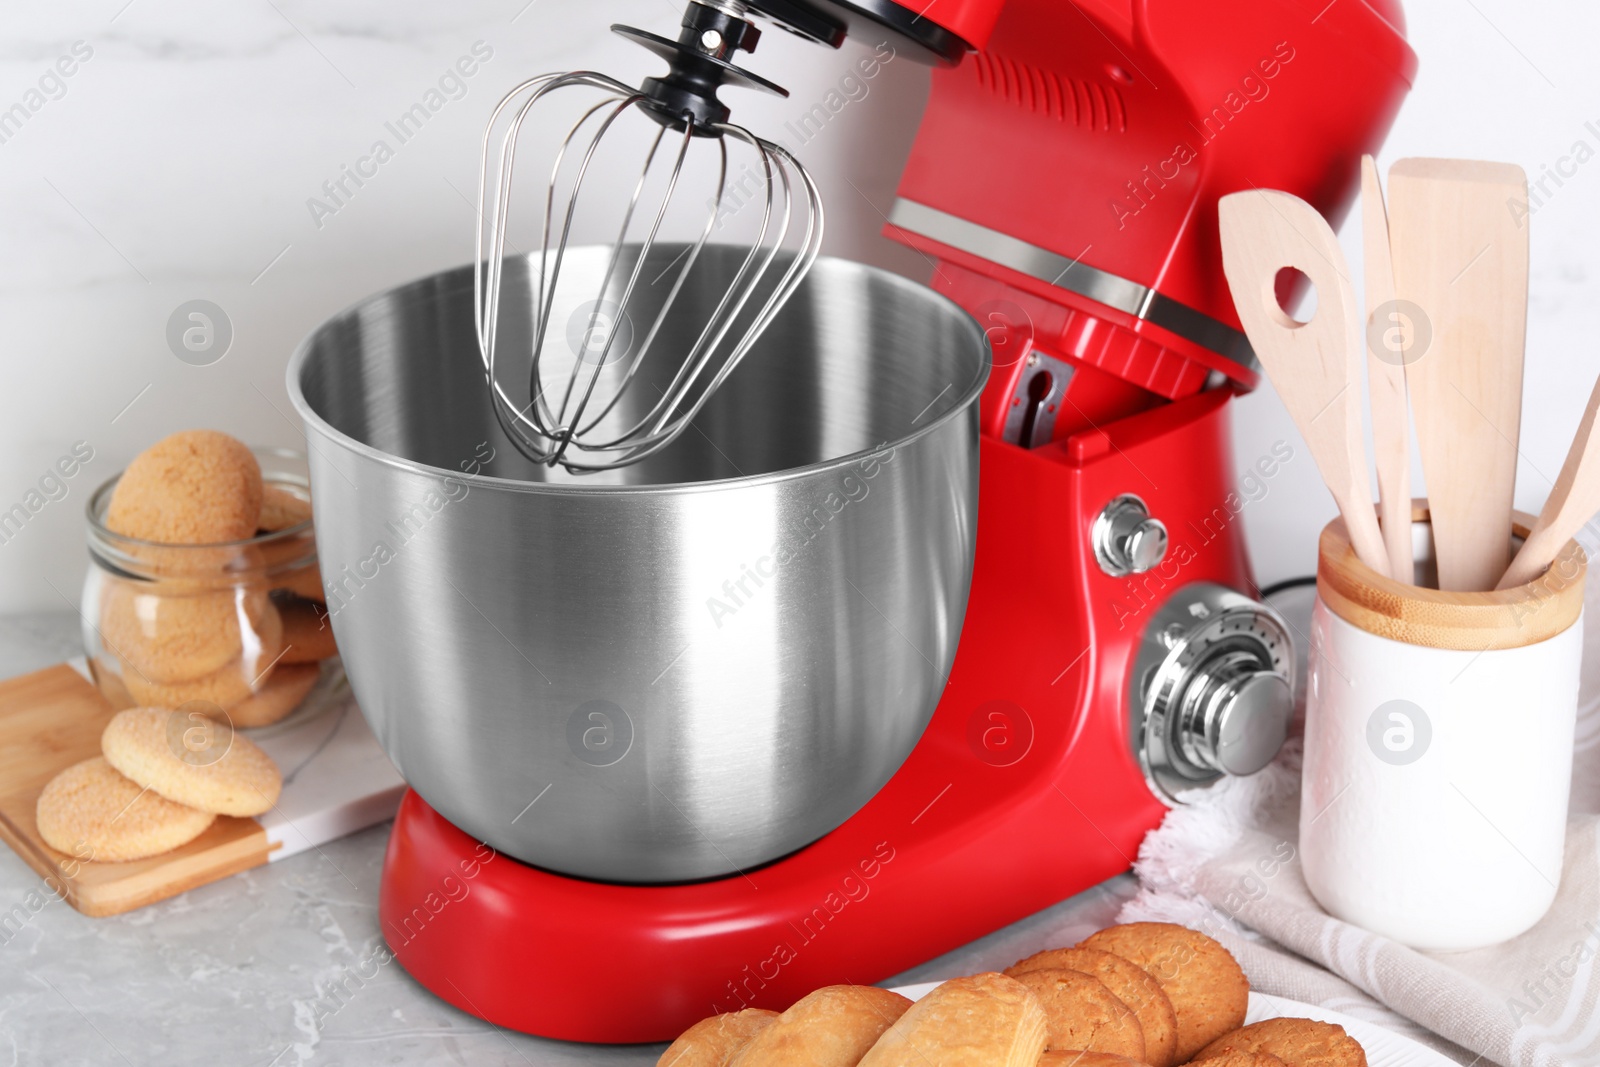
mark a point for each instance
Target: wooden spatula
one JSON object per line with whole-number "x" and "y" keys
{"x": 1461, "y": 257}
{"x": 1388, "y": 340}
{"x": 1316, "y": 365}
{"x": 1573, "y": 501}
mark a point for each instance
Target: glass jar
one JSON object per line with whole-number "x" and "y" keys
{"x": 202, "y": 627}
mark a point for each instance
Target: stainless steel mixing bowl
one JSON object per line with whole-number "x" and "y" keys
{"x": 676, "y": 670}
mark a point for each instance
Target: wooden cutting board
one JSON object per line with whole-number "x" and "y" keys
{"x": 50, "y": 720}
{"x": 336, "y": 781}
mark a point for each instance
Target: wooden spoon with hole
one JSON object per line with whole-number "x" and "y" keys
{"x": 1315, "y": 365}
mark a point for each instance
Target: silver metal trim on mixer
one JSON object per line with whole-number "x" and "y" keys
{"x": 1120, "y": 294}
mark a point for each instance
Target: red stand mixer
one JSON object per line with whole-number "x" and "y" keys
{"x": 1064, "y": 185}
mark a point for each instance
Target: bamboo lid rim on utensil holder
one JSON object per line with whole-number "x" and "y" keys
{"x": 1432, "y": 618}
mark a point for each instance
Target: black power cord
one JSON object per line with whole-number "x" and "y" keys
{"x": 1287, "y": 584}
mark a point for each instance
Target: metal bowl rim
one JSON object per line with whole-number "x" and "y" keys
{"x": 302, "y": 352}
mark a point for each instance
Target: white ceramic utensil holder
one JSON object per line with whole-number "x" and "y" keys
{"x": 1438, "y": 751}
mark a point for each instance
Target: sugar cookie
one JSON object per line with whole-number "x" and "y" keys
{"x": 713, "y": 1042}
{"x": 224, "y": 688}
{"x": 240, "y": 678}
{"x": 91, "y": 811}
{"x": 283, "y": 692}
{"x": 196, "y": 487}
{"x": 1129, "y": 983}
{"x": 174, "y": 637}
{"x": 191, "y": 759}
{"x": 1209, "y": 992}
{"x": 281, "y": 509}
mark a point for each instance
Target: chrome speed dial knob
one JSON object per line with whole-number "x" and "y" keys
{"x": 1234, "y": 714}
{"x": 1212, "y": 689}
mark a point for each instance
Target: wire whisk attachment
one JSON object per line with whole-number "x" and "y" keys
{"x": 594, "y": 377}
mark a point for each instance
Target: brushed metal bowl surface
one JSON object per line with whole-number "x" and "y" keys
{"x": 680, "y": 669}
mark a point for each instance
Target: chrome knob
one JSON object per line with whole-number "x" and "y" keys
{"x": 1127, "y": 540}
{"x": 1212, "y": 691}
{"x": 1235, "y": 714}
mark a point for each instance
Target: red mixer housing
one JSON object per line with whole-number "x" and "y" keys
{"x": 1063, "y": 186}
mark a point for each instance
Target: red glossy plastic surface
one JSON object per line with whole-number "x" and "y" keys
{"x": 1106, "y": 131}
{"x": 1090, "y": 336}
{"x": 1023, "y": 791}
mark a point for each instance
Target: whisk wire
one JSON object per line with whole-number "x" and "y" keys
{"x": 547, "y": 298}
{"x": 810, "y": 247}
{"x": 633, "y": 280}
{"x": 687, "y": 258}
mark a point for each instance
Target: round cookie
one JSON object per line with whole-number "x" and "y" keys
{"x": 1129, "y": 983}
{"x": 240, "y": 678}
{"x": 196, "y": 487}
{"x": 281, "y": 509}
{"x": 305, "y": 582}
{"x": 1083, "y": 1014}
{"x": 713, "y": 1042}
{"x": 1297, "y": 1042}
{"x": 224, "y": 688}
{"x": 174, "y": 637}
{"x": 307, "y": 634}
{"x": 1237, "y": 1058}
{"x": 191, "y": 759}
{"x": 1209, "y": 992}
{"x": 1079, "y": 1058}
{"x": 284, "y": 691}
{"x": 91, "y": 811}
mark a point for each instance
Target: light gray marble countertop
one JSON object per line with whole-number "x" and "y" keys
{"x": 233, "y": 972}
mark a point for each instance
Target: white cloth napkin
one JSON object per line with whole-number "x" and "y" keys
{"x": 1229, "y": 865}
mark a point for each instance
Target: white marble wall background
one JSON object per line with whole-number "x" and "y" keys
{"x": 178, "y": 162}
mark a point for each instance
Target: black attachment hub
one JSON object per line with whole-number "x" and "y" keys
{"x": 902, "y": 26}
{"x": 701, "y": 59}
{"x": 700, "y": 62}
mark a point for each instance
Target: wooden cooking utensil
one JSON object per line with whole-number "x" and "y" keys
{"x": 1388, "y": 340}
{"x": 1315, "y": 365}
{"x": 1461, "y": 258}
{"x": 1573, "y": 501}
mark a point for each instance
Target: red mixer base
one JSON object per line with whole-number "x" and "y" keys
{"x": 1023, "y": 790}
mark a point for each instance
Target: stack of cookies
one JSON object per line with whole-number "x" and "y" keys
{"x": 161, "y": 780}
{"x": 1137, "y": 995}
{"x": 227, "y": 617}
